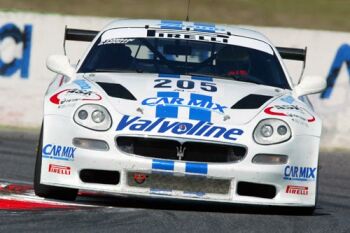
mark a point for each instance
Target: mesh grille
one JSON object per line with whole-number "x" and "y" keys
{"x": 187, "y": 184}
{"x": 188, "y": 151}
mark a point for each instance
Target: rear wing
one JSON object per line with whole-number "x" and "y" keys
{"x": 88, "y": 36}
{"x": 78, "y": 35}
{"x": 292, "y": 53}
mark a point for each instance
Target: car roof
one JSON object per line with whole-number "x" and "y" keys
{"x": 189, "y": 26}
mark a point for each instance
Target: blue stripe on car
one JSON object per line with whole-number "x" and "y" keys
{"x": 166, "y": 165}
{"x": 202, "y": 78}
{"x": 171, "y": 24}
{"x": 197, "y": 168}
{"x": 169, "y": 75}
{"x": 197, "y": 113}
{"x": 164, "y": 111}
{"x": 204, "y": 27}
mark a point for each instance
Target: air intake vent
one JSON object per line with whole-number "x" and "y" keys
{"x": 188, "y": 151}
{"x": 256, "y": 190}
{"x": 99, "y": 176}
{"x": 251, "y": 102}
{"x": 117, "y": 91}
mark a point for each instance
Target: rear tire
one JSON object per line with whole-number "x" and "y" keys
{"x": 48, "y": 191}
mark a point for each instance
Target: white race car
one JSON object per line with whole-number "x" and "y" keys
{"x": 180, "y": 110}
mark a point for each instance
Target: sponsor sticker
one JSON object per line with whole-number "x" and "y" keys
{"x": 63, "y": 170}
{"x": 299, "y": 173}
{"x": 69, "y": 97}
{"x": 82, "y": 84}
{"x": 298, "y": 190}
{"x": 296, "y": 113}
{"x": 200, "y": 107}
{"x": 199, "y": 27}
{"x": 164, "y": 126}
{"x": 115, "y": 41}
{"x": 288, "y": 99}
{"x": 52, "y": 151}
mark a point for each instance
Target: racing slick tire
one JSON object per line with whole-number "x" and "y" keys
{"x": 48, "y": 191}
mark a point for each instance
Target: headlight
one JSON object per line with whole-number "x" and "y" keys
{"x": 271, "y": 131}
{"x": 98, "y": 116}
{"x": 93, "y": 116}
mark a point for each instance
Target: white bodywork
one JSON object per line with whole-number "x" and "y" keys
{"x": 298, "y": 174}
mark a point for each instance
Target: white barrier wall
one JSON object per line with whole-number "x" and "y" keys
{"x": 22, "y": 95}
{"x": 27, "y": 39}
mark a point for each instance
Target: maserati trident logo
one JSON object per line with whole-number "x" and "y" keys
{"x": 180, "y": 152}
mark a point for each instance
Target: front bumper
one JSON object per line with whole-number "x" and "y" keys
{"x": 301, "y": 150}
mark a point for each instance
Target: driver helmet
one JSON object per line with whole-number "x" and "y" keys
{"x": 233, "y": 60}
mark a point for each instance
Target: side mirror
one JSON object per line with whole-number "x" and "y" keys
{"x": 60, "y": 65}
{"x": 310, "y": 85}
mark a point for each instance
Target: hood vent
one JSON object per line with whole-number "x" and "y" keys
{"x": 116, "y": 91}
{"x": 251, "y": 102}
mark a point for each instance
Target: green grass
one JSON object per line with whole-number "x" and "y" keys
{"x": 317, "y": 14}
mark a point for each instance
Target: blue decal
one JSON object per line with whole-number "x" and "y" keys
{"x": 202, "y": 78}
{"x": 342, "y": 56}
{"x": 160, "y": 191}
{"x": 197, "y": 194}
{"x": 197, "y": 168}
{"x": 200, "y": 111}
{"x": 169, "y": 75}
{"x": 171, "y": 24}
{"x": 204, "y": 27}
{"x": 161, "y": 125}
{"x": 167, "y": 104}
{"x": 82, "y": 84}
{"x": 299, "y": 173}
{"x": 22, "y": 64}
{"x": 288, "y": 99}
{"x": 199, "y": 27}
{"x": 166, "y": 165}
{"x": 51, "y": 151}
{"x": 164, "y": 111}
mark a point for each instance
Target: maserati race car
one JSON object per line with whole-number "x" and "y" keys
{"x": 179, "y": 110}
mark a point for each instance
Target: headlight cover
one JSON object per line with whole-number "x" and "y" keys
{"x": 271, "y": 131}
{"x": 93, "y": 116}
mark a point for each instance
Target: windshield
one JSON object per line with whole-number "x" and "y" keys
{"x": 187, "y": 57}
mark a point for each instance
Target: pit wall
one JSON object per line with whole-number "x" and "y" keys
{"x": 26, "y": 39}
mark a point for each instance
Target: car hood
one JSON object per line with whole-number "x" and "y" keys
{"x": 215, "y": 100}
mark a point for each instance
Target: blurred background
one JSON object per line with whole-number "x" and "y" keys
{"x": 313, "y": 14}
{"x": 32, "y": 30}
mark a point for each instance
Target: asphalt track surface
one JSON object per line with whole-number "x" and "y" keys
{"x": 117, "y": 214}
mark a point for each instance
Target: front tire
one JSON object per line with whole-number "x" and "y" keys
{"x": 48, "y": 191}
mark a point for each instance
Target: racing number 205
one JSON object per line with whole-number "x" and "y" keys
{"x": 185, "y": 84}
